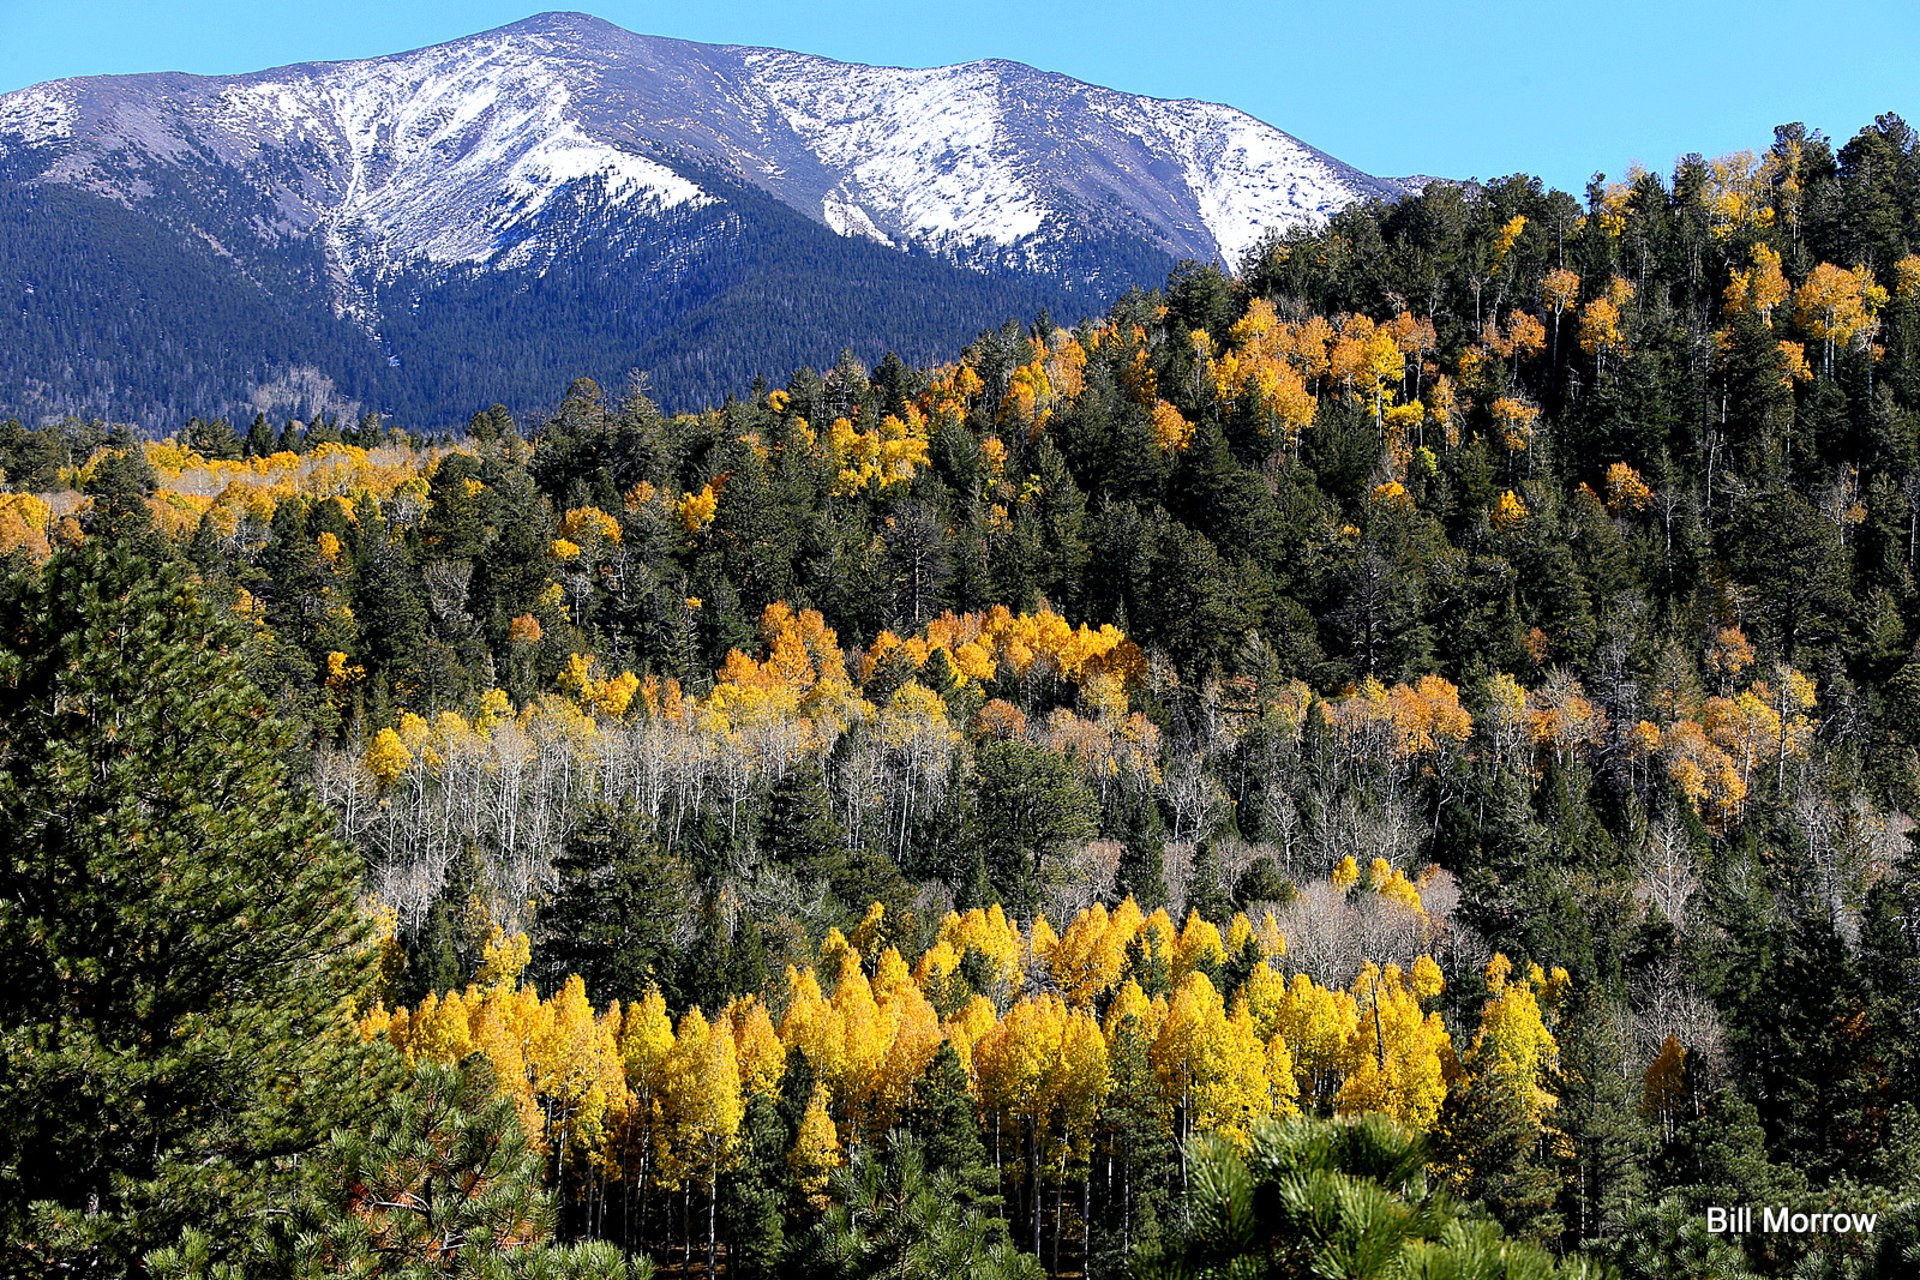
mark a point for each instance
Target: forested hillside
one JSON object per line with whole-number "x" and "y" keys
{"x": 1425, "y": 731}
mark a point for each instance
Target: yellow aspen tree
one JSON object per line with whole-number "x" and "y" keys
{"x": 387, "y": 758}
{"x": 703, "y": 1108}
{"x": 1319, "y": 1026}
{"x": 757, "y": 1046}
{"x": 1397, "y": 1054}
{"x": 1088, "y": 959}
{"x": 1513, "y": 1047}
{"x": 1760, "y": 287}
{"x": 816, "y": 1150}
{"x": 1198, "y": 947}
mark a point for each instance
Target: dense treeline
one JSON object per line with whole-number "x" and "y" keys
{"x": 1558, "y": 553}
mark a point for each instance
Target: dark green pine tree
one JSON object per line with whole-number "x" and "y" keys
{"x": 1029, "y": 805}
{"x": 1319, "y": 1198}
{"x": 1142, "y": 875}
{"x": 941, "y": 1117}
{"x": 890, "y": 1215}
{"x": 1133, "y": 1158}
{"x": 800, "y": 831}
{"x": 1206, "y": 886}
{"x": 1494, "y": 1150}
{"x": 757, "y": 1193}
{"x": 616, "y": 907}
{"x": 1609, "y": 1143}
{"x": 440, "y": 1182}
{"x": 180, "y": 931}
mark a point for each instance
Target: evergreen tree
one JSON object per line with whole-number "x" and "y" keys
{"x": 441, "y": 1181}
{"x": 613, "y": 915}
{"x": 1142, "y": 874}
{"x": 181, "y": 927}
{"x": 890, "y": 1215}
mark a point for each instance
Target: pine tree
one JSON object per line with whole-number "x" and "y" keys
{"x": 1206, "y": 890}
{"x": 441, "y": 1181}
{"x": 890, "y": 1215}
{"x": 613, "y": 916}
{"x": 755, "y": 1195}
{"x": 1142, "y": 873}
{"x": 1318, "y": 1198}
{"x": 181, "y": 928}
{"x": 942, "y": 1118}
{"x": 1133, "y": 1160}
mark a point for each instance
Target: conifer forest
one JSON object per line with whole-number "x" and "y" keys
{"x": 1397, "y": 761}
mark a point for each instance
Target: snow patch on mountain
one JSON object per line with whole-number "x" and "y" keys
{"x": 1246, "y": 177}
{"x": 925, "y": 148}
{"x": 36, "y": 116}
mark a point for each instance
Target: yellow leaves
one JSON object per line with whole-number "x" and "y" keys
{"x": 816, "y": 1147}
{"x": 1510, "y": 512}
{"x": 696, "y": 510}
{"x": 586, "y": 525}
{"x": 1171, "y": 432}
{"x": 1758, "y": 288}
{"x": 328, "y": 545}
{"x": 503, "y": 959}
{"x": 1514, "y": 1050}
{"x": 387, "y": 759}
{"x": 1505, "y": 238}
{"x": 1834, "y": 306}
{"x": 1729, "y": 653}
{"x": 613, "y": 1085}
{"x": 1906, "y": 278}
{"x": 874, "y": 459}
{"x": 1627, "y": 493}
{"x": 1516, "y": 421}
{"x": 702, "y": 1102}
{"x": 1043, "y": 1065}
{"x": 1198, "y": 947}
{"x": 1525, "y": 336}
{"x": 24, "y": 525}
{"x": 1400, "y": 724}
{"x": 1091, "y": 954}
{"x": 1793, "y": 355}
{"x": 1392, "y": 494}
{"x": 341, "y": 674}
{"x": 1611, "y": 207}
{"x": 1318, "y": 1026}
{"x": 1392, "y": 885}
{"x": 1346, "y": 874}
{"x": 1213, "y": 1065}
{"x": 1600, "y": 327}
{"x": 1397, "y": 1052}
{"x": 1560, "y": 290}
{"x": 563, "y": 550}
{"x": 1703, "y": 773}
{"x": 1561, "y": 719}
{"x": 757, "y": 1048}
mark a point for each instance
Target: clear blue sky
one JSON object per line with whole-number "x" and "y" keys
{"x": 1471, "y": 88}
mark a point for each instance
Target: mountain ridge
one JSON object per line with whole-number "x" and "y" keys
{"x": 562, "y": 136}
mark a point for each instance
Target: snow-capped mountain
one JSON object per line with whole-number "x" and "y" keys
{"x": 564, "y": 144}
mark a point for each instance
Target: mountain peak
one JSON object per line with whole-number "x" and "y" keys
{"x": 559, "y": 140}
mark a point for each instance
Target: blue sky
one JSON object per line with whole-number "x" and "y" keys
{"x": 1473, "y": 89}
